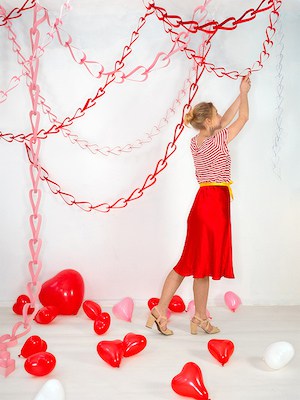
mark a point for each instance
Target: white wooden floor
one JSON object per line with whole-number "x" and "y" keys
{"x": 148, "y": 375}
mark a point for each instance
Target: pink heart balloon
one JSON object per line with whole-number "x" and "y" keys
{"x": 124, "y": 309}
{"x": 189, "y": 382}
{"x": 232, "y": 301}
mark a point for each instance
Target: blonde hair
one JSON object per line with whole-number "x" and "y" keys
{"x": 197, "y": 115}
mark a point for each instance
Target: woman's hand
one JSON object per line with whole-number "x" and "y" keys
{"x": 245, "y": 84}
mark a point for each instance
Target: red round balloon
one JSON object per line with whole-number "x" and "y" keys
{"x": 40, "y": 364}
{"x": 189, "y": 382}
{"x": 133, "y": 344}
{"x": 221, "y": 349}
{"x": 20, "y": 303}
{"x": 34, "y": 344}
{"x": 177, "y": 304}
{"x": 152, "y": 302}
{"x": 111, "y": 351}
{"x": 92, "y": 309}
{"x": 64, "y": 291}
{"x": 102, "y": 323}
{"x": 46, "y": 314}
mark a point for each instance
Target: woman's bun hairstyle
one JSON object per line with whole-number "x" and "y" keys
{"x": 198, "y": 114}
{"x": 188, "y": 117}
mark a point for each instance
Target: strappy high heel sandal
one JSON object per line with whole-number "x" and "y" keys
{"x": 160, "y": 321}
{"x": 204, "y": 324}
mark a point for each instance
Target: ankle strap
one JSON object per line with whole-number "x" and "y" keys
{"x": 200, "y": 320}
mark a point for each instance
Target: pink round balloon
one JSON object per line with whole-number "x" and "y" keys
{"x": 232, "y": 301}
{"x": 124, "y": 309}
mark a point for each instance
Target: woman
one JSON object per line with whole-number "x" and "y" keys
{"x": 207, "y": 250}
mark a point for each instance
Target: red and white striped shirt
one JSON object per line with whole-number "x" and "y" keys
{"x": 212, "y": 159}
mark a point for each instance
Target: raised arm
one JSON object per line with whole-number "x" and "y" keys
{"x": 230, "y": 113}
{"x": 243, "y": 110}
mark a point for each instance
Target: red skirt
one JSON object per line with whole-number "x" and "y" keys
{"x": 207, "y": 250}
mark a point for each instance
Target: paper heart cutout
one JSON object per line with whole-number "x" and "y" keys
{"x": 7, "y": 365}
{"x": 51, "y": 390}
{"x": 133, "y": 344}
{"x": 19, "y": 304}
{"x": 221, "y": 349}
{"x": 102, "y": 323}
{"x": 64, "y": 291}
{"x": 189, "y": 382}
{"x": 111, "y": 351}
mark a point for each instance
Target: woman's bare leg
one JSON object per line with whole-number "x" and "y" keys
{"x": 201, "y": 288}
{"x": 171, "y": 284}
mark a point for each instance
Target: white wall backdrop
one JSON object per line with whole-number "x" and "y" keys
{"x": 128, "y": 252}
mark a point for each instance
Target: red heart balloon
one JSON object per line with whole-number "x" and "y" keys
{"x": 177, "y": 304}
{"x": 92, "y": 309}
{"x": 102, "y": 323}
{"x": 133, "y": 344}
{"x": 40, "y": 364}
{"x": 20, "y": 303}
{"x": 221, "y": 349}
{"x": 46, "y": 314}
{"x": 111, "y": 351}
{"x": 189, "y": 382}
{"x": 34, "y": 344}
{"x": 64, "y": 291}
{"x": 152, "y": 302}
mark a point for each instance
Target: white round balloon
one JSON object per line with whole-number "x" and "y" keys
{"x": 51, "y": 390}
{"x": 278, "y": 354}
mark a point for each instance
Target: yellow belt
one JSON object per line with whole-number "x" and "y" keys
{"x": 219, "y": 184}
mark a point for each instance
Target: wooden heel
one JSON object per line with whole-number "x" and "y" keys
{"x": 204, "y": 324}
{"x": 150, "y": 321}
{"x": 194, "y": 328}
{"x": 160, "y": 321}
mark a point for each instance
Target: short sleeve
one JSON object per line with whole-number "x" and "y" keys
{"x": 193, "y": 146}
{"x": 222, "y": 139}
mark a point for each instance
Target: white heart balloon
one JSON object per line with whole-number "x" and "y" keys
{"x": 278, "y": 354}
{"x": 52, "y": 390}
